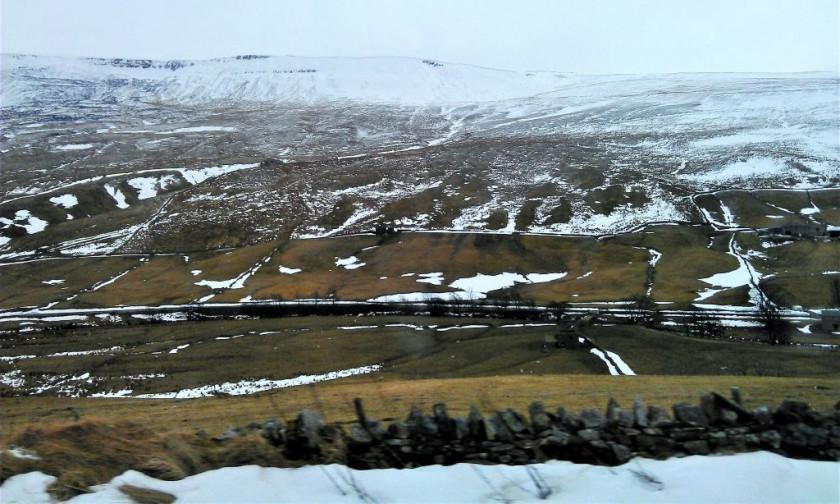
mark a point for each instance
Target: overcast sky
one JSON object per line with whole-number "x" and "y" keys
{"x": 586, "y": 36}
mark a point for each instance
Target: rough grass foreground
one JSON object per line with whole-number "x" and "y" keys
{"x": 85, "y": 441}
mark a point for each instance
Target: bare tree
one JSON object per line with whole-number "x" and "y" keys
{"x": 698, "y": 323}
{"x": 776, "y": 329}
{"x": 557, "y": 309}
{"x": 642, "y": 309}
{"x": 835, "y": 291}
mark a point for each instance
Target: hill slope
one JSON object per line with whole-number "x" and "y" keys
{"x": 161, "y": 153}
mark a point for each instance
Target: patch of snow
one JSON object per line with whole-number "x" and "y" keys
{"x": 756, "y": 167}
{"x": 198, "y": 129}
{"x": 655, "y": 257}
{"x": 65, "y": 318}
{"x": 407, "y": 326}
{"x": 470, "y": 288}
{"x": 481, "y": 284}
{"x": 13, "y": 379}
{"x": 118, "y": 196}
{"x": 623, "y": 218}
{"x": 234, "y": 283}
{"x": 72, "y": 147}
{"x": 728, "y": 322}
{"x": 349, "y": 263}
{"x": 289, "y": 271}
{"x": 198, "y": 175}
{"x": 104, "y": 243}
{"x": 52, "y": 282}
{"x": 163, "y": 317}
{"x": 728, "y": 217}
{"x": 622, "y": 366}
{"x": 674, "y": 480}
{"x": 505, "y": 326}
{"x": 544, "y": 277}
{"x": 812, "y": 210}
{"x": 118, "y": 393}
{"x": 79, "y": 353}
{"x": 147, "y": 187}
{"x": 743, "y": 275}
{"x": 756, "y": 254}
{"x": 22, "y": 453}
{"x": 435, "y": 278}
{"x": 421, "y": 297}
{"x": 768, "y": 244}
{"x": 179, "y": 348}
{"x": 610, "y": 367}
{"x": 111, "y": 280}
{"x": 253, "y": 386}
{"x": 26, "y": 220}
{"x": 11, "y": 358}
{"x": 67, "y": 201}
{"x": 29, "y": 488}
{"x": 457, "y": 327}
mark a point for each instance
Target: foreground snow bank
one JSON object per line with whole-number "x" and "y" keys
{"x": 751, "y": 477}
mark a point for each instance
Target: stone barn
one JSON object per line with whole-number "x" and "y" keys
{"x": 798, "y": 230}
{"x": 568, "y": 334}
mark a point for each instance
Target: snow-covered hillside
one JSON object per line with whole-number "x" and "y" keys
{"x": 266, "y": 79}
{"x": 344, "y": 144}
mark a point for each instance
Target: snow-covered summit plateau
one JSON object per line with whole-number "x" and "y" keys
{"x": 269, "y": 78}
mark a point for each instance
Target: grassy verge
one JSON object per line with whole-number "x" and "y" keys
{"x": 387, "y": 398}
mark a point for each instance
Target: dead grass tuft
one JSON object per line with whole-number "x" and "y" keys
{"x": 247, "y": 449}
{"x": 160, "y": 468}
{"x": 146, "y": 495}
{"x": 92, "y": 452}
{"x": 11, "y": 465}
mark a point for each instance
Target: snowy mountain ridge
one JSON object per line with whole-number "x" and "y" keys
{"x": 391, "y": 80}
{"x": 376, "y": 80}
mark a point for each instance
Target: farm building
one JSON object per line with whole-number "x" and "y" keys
{"x": 568, "y": 334}
{"x": 798, "y": 230}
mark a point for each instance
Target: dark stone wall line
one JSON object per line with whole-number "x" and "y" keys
{"x": 717, "y": 425}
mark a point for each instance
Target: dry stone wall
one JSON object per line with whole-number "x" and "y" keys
{"x": 717, "y": 425}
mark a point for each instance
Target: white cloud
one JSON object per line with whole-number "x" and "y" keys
{"x": 599, "y": 36}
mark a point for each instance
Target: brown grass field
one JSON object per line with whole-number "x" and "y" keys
{"x": 87, "y": 442}
{"x": 23, "y": 283}
{"x": 609, "y": 269}
{"x": 387, "y": 398}
{"x": 499, "y": 364}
